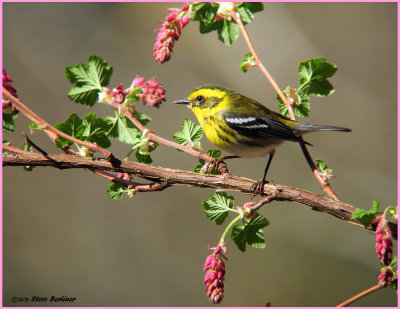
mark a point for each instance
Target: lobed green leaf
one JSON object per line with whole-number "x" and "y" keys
{"x": 87, "y": 129}
{"x": 313, "y": 74}
{"x": 229, "y": 32}
{"x": 190, "y": 132}
{"x": 89, "y": 80}
{"x": 123, "y": 129}
{"x": 218, "y": 206}
{"x": 115, "y": 190}
{"x": 250, "y": 232}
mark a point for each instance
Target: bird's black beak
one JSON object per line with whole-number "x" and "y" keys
{"x": 183, "y": 101}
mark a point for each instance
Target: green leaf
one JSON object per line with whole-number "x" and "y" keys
{"x": 143, "y": 158}
{"x": 254, "y": 7}
{"x": 133, "y": 96}
{"x": 203, "y": 12}
{"x": 87, "y": 129}
{"x": 218, "y": 206}
{"x": 123, "y": 130}
{"x": 321, "y": 164}
{"x": 33, "y": 126}
{"x": 366, "y": 216}
{"x": 190, "y": 132}
{"x": 115, "y": 190}
{"x": 206, "y": 28}
{"x": 214, "y": 153}
{"x": 313, "y": 75}
{"x": 96, "y": 130}
{"x": 229, "y": 32}
{"x": 72, "y": 126}
{"x": 27, "y": 168}
{"x": 9, "y": 122}
{"x": 248, "y": 61}
{"x": 250, "y": 232}
{"x": 89, "y": 80}
{"x": 245, "y": 14}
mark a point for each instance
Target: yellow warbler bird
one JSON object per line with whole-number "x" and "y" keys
{"x": 244, "y": 127}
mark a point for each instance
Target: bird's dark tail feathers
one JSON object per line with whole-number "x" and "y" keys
{"x": 303, "y": 128}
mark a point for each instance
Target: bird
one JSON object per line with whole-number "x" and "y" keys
{"x": 244, "y": 127}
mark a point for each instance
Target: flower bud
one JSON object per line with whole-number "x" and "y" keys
{"x": 138, "y": 81}
{"x": 385, "y": 277}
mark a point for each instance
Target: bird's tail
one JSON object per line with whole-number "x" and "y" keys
{"x": 303, "y": 128}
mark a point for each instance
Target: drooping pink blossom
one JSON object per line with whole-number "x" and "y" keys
{"x": 170, "y": 32}
{"x": 214, "y": 267}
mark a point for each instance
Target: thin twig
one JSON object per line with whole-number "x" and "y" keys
{"x": 15, "y": 150}
{"x": 49, "y": 129}
{"x": 158, "y": 139}
{"x": 235, "y": 15}
{"x": 325, "y": 185}
{"x": 360, "y": 295}
{"x": 323, "y": 182}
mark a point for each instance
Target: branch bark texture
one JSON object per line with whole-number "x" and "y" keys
{"x": 166, "y": 177}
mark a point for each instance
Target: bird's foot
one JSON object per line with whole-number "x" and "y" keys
{"x": 258, "y": 187}
{"x": 218, "y": 165}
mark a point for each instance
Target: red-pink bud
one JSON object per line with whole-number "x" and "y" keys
{"x": 185, "y": 7}
{"x": 383, "y": 244}
{"x": 138, "y": 82}
{"x": 185, "y": 20}
{"x": 172, "y": 16}
{"x": 208, "y": 261}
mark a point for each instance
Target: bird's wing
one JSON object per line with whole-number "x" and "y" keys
{"x": 260, "y": 128}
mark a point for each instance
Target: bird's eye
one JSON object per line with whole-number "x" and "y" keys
{"x": 200, "y": 99}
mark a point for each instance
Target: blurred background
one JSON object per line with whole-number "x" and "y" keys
{"x": 64, "y": 236}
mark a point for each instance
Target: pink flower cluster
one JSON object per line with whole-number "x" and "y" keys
{"x": 7, "y": 106}
{"x": 384, "y": 245}
{"x": 214, "y": 278}
{"x": 152, "y": 91}
{"x": 170, "y": 32}
{"x": 152, "y": 94}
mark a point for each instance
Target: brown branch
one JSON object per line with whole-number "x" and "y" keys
{"x": 165, "y": 177}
